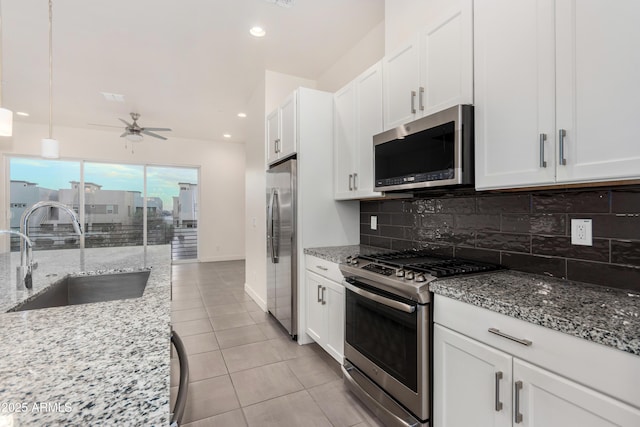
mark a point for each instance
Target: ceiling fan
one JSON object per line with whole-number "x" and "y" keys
{"x": 134, "y": 133}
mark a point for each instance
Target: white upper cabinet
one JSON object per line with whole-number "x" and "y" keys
{"x": 357, "y": 117}
{"x": 433, "y": 71}
{"x": 554, "y": 91}
{"x": 281, "y": 131}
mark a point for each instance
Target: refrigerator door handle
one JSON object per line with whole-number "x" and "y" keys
{"x": 275, "y": 240}
{"x": 270, "y": 235}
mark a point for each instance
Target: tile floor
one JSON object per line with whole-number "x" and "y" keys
{"x": 244, "y": 368}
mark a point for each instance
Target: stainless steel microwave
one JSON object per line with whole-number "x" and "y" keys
{"x": 433, "y": 151}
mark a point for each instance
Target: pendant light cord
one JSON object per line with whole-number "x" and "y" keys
{"x": 50, "y": 69}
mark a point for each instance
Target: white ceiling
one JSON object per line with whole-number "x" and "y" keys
{"x": 190, "y": 65}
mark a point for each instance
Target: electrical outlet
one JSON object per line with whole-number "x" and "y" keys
{"x": 374, "y": 222}
{"x": 581, "y": 232}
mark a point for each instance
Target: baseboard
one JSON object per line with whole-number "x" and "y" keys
{"x": 222, "y": 258}
{"x": 261, "y": 303}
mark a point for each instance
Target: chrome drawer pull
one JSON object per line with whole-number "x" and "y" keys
{"x": 319, "y": 267}
{"x": 509, "y": 337}
{"x": 516, "y": 410}
{"x": 543, "y": 138}
{"x": 562, "y": 133}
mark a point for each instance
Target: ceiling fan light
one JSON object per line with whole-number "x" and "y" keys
{"x": 134, "y": 137}
{"x": 50, "y": 148}
{"x": 6, "y": 122}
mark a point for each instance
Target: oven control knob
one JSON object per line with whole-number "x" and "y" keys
{"x": 400, "y": 273}
{"x": 409, "y": 275}
{"x": 348, "y": 260}
{"x": 420, "y": 278}
{"x": 355, "y": 261}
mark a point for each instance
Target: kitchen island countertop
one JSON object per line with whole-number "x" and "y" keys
{"x": 92, "y": 364}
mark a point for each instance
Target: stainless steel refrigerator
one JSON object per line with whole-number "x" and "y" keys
{"x": 282, "y": 262}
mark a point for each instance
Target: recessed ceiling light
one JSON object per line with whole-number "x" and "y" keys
{"x": 22, "y": 113}
{"x": 257, "y": 32}
{"x": 243, "y": 115}
{"x": 226, "y": 135}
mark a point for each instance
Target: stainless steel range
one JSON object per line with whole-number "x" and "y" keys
{"x": 388, "y": 330}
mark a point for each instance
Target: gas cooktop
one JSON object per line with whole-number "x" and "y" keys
{"x": 408, "y": 273}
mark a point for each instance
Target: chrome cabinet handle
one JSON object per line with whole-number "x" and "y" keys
{"x": 516, "y": 410}
{"x": 420, "y": 99}
{"x": 277, "y": 141}
{"x": 510, "y": 337}
{"x": 498, "y": 403}
{"x": 413, "y": 102}
{"x": 319, "y": 297}
{"x": 319, "y": 267}
{"x": 183, "y": 387}
{"x": 355, "y": 181}
{"x": 324, "y": 301}
{"x": 543, "y": 139}
{"x": 350, "y": 182}
{"x": 561, "y": 135}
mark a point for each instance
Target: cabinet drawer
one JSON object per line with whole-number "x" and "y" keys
{"x": 324, "y": 268}
{"x": 611, "y": 371}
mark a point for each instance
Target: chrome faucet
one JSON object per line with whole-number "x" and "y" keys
{"x": 27, "y": 265}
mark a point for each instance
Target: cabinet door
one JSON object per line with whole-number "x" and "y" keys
{"x": 447, "y": 60}
{"x": 514, "y": 93}
{"x": 369, "y": 123}
{"x": 273, "y": 135}
{"x": 344, "y": 142}
{"x": 334, "y": 297}
{"x": 401, "y": 81}
{"x": 316, "y": 326}
{"x": 597, "y": 92}
{"x": 548, "y": 400}
{"x": 472, "y": 382}
{"x": 288, "y": 131}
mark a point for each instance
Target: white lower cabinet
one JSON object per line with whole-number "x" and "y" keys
{"x": 476, "y": 384}
{"x": 325, "y": 312}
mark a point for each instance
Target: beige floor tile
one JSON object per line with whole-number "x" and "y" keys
{"x": 200, "y": 343}
{"x": 240, "y": 336}
{"x": 211, "y": 298}
{"x": 311, "y": 371}
{"x": 186, "y": 304}
{"x": 228, "y": 419}
{"x": 259, "y": 316}
{"x": 206, "y": 365}
{"x": 289, "y": 349}
{"x": 340, "y": 406}
{"x": 263, "y": 383}
{"x": 249, "y": 356}
{"x": 185, "y": 315}
{"x": 231, "y": 308}
{"x": 229, "y": 321}
{"x": 192, "y": 327}
{"x": 297, "y": 409}
{"x": 210, "y": 397}
{"x": 177, "y": 295}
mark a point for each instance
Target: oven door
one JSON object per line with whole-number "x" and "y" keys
{"x": 387, "y": 338}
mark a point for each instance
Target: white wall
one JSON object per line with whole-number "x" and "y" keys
{"x": 403, "y": 18}
{"x": 222, "y": 175}
{"x": 267, "y": 96}
{"x": 360, "y": 57}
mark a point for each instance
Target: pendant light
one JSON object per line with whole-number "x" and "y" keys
{"x": 6, "y": 116}
{"x": 50, "y": 148}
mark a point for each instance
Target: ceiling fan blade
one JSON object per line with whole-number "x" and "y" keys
{"x": 157, "y": 129}
{"x": 124, "y": 134}
{"x": 108, "y": 126}
{"x": 125, "y": 122}
{"x": 155, "y": 135}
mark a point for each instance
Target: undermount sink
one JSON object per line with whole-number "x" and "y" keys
{"x": 88, "y": 289}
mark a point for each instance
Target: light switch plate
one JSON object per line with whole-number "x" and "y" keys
{"x": 581, "y": 232}
{"x": 374, "y": 222}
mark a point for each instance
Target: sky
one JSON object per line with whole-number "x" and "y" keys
{"x": 56, "y": 174}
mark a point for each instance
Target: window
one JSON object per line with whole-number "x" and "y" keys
{"x": 113, "y": 201}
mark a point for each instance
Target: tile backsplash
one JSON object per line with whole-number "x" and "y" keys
{"x": 526, "y": 231}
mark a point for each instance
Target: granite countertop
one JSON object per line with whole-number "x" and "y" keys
{"x": 92, "y": 364}
{"x": 600, "y": 314}
{"x": 339, "y": 254}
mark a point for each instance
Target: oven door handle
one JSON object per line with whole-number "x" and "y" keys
{"x": 380, "y": 299}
